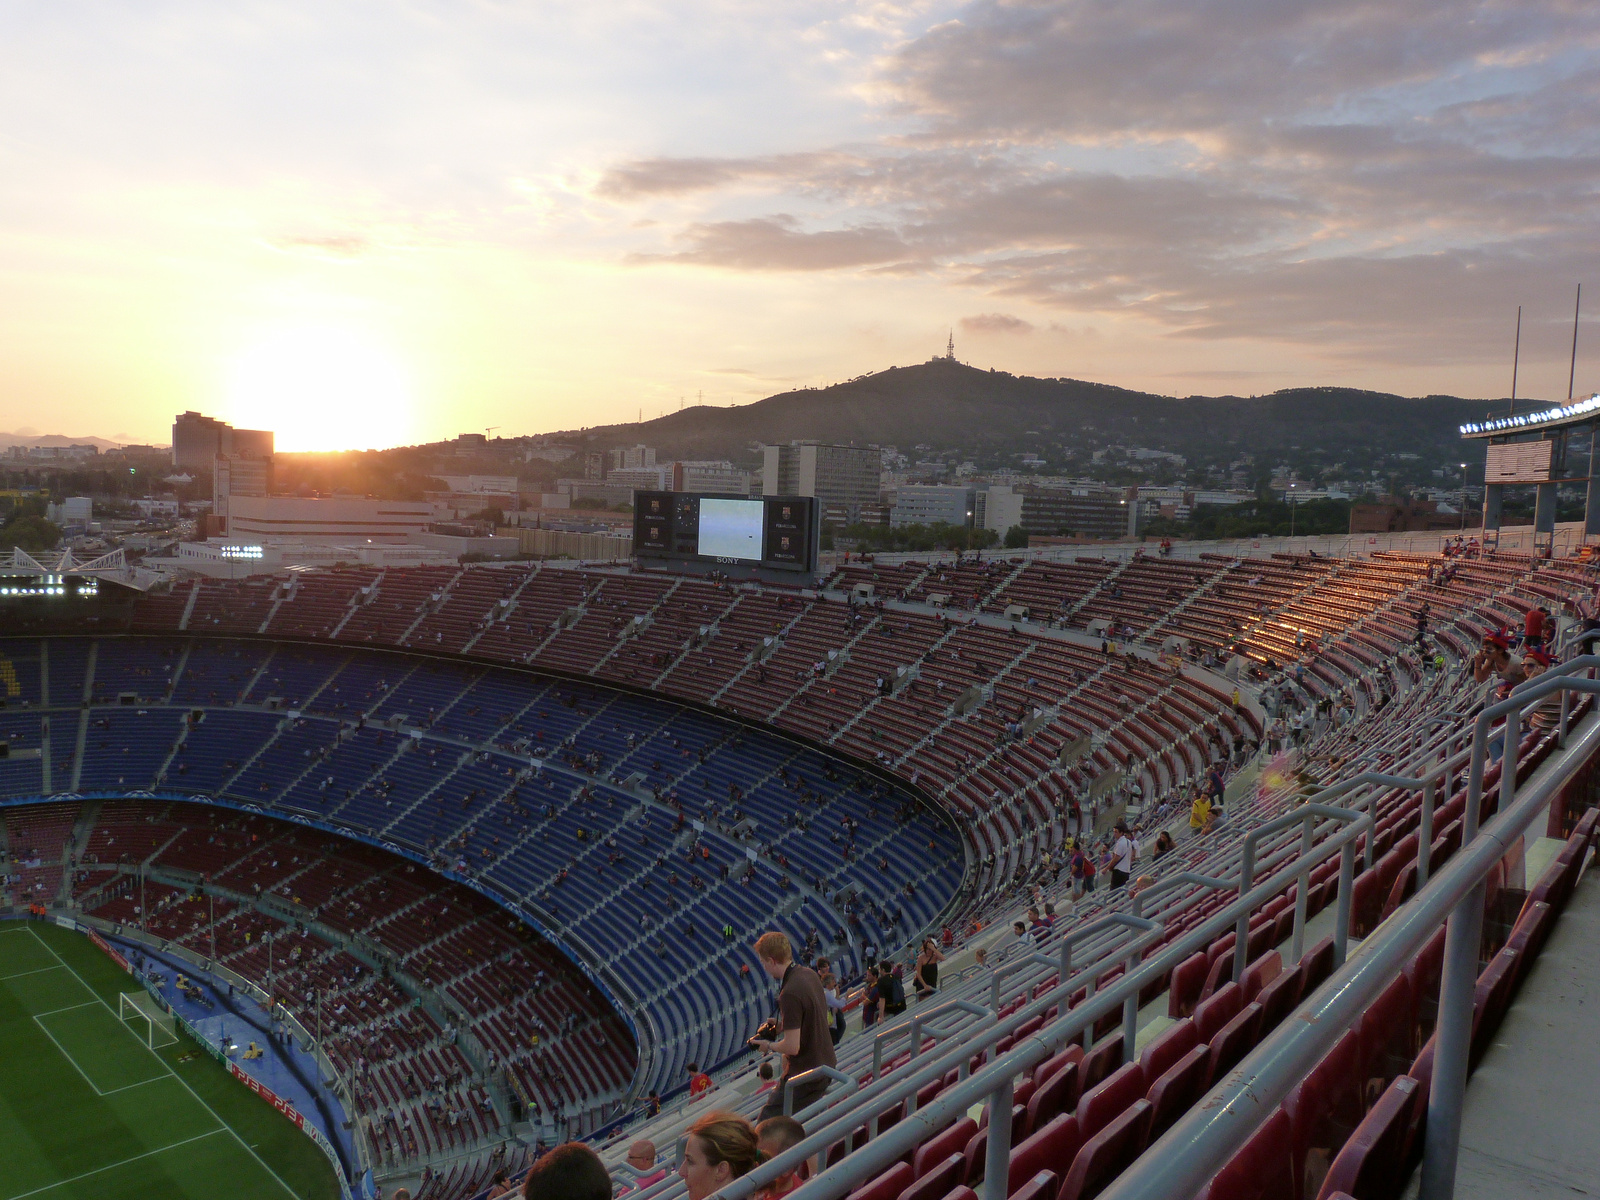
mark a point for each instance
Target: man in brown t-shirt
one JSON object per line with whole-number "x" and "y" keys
{"x": 806, "y": 1042}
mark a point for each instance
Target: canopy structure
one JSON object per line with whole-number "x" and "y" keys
{"x": 1535, "y": 449}
{"x": 51, "y": 568}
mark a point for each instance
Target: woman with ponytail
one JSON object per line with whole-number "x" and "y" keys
{"x": 721, "y": 1147}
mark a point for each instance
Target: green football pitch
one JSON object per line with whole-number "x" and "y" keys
{"x": 88, "y": 1110}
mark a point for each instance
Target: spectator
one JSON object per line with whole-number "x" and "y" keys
{"x": 642, "y": 1158}
{"x": 1199, "y": 814}
{"x": 869, "y": 993}
{"x": 806, "y": 1042}
{"x": 699, "y": 1081}
{"x": 1123, "y": 851}
{"x": 1163, "y": 844}
{"x": 774, "y": 1136}
{"x": 891, "y": 993}
{"x": 499, "y": 1186}
{"x": 926, "y": 982}
{"x": 720, "y": 1148}
{"x": 569, "y": 1172}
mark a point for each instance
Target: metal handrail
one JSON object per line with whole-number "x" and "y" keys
{"x": 1205, "y": 1138}
{"x": 994, "y": 1081}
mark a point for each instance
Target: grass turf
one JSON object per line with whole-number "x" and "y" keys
{"x": 87, "y": 1110}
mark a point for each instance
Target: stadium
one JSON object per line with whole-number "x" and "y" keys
{"x": 452, "y": 864}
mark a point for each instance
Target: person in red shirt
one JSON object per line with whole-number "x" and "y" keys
{"x": 1533, "y": 628}
{"x": 699, "y": 1081}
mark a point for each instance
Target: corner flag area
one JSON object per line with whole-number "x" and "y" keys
{"x": 88, "y": 1109}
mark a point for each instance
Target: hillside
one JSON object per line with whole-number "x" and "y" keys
{"x": 947, "y": 404}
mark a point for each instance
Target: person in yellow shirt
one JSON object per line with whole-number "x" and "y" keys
{"x": 1199, "y": 814}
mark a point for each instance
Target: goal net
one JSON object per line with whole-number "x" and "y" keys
{"x": 142, "y": 1013}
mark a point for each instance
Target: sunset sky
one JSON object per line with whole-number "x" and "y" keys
{"x": 366, "y": 224}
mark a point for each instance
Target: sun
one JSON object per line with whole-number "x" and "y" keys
{"x": 322, "y": 387}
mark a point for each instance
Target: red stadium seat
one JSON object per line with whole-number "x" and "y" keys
{"x": 1041, "y": 1187}
{"x": 938, "y": 1179}
{"x": 1167, "y": 1048}
{"x": 1279, "y": 998}
{"x": 887, "y": 1186}
{"x": 1101, "y": 1105}
{"x": 1101, "y": 1062}
{"x": 1232, "y": 1042}
{"x": 1374, "y": 1163}
{"x": 1050, "y": 1149}
{"x": 1107, "y": 1154}
{"x": 1218, "y": 1011}
{"x": 943, "y": 1144}
{"x": 1324, "y": 1110}
{"x": 1388, "y": 1039}
{"x": 1175, "y": 1092}
{"x": 1262, "y": 1169}
{"x": 1188, "y": 978}
{"x": 1318, "y": 964}
{"x": 1260, "y": 973}
{"x": 1058, "y": 1094}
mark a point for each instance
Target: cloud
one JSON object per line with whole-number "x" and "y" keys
{"x": 334, "y": 246}
{"x": 779, "y": 244}
{"x": 985, "y": 323}
{"x": 1362, "y": 181}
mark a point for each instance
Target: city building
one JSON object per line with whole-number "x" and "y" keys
{"x": 998, "y": 507}
{"x": 230, "y": 558}
{"x": 74, "y": 512}
{"x": 198, "y": 440}
{"x": 842, "y": 478}
{"x": 933, "y": 505}
{"x": 234, "y": 476}
{"x": 624, "y": 457}
{"x": 1392, "y": 515}
{"x": 1080, "y": 512}
{"x": 710, "y": 477}
{"x": 335, "y": 520}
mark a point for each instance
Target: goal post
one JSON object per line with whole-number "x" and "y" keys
{"x": 152, "y": 1024}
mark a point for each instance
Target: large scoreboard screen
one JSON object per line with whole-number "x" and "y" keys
{"x": 776, "y": 532}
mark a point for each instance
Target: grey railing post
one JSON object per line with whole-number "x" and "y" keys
{"x": 1347, "y": 879}
{"x": 1298, "y": 945}
{"x": 1464, "y": 932}
{"x": 1241, "y": 930}
{"x": 997, "y": 1155}
{"x": 1425, "y": 860}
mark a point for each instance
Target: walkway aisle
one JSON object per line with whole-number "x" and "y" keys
{"x": 1529, "y": 1126}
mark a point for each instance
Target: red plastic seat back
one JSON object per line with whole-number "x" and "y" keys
{"x": 1101, "y": 1062}
{"x": 1261, "y": 1169}
{"x": 887, "y": 1186}
{"x": 1188, "y": 977}
{"x": 1107, "y": 1154}
{"x": 938, "y": 1179}
{"x": 1072, "y": 1054}
{"x": 1233, "y": 1041}
{"x": 1177, "y": 1091}
{"x": 1050, "y": 1149}
{"x": 1054, "y": 1096}
{"x": 1101, "y": 1105}
{"x": 1388, "y": 1039}
{"x": 1218, "y": 1011}
{"x": 1318, "y": 964}
{"x": 1260, "y": 973}
{"x": 1324, "y": 1110}
{"x": 1041, "y": 1187}
{"x": 1376, "y": 1160}
{"x": 1279, "y": 998}
{"x": 943, "y": 1144}
{"x": 1167, "y": 1048}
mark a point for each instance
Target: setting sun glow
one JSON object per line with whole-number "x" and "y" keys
{"x": 322, "y": 388}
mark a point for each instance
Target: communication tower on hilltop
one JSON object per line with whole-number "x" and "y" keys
{"x": 950, "y": 348}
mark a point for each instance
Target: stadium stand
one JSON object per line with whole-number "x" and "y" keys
{"x": 1020, "y": 725}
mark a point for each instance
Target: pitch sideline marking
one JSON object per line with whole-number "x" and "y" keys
{"x": 170, "y": 1071}
{"x": 37, "y": 971}
{"x": 50, "y": 1187}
